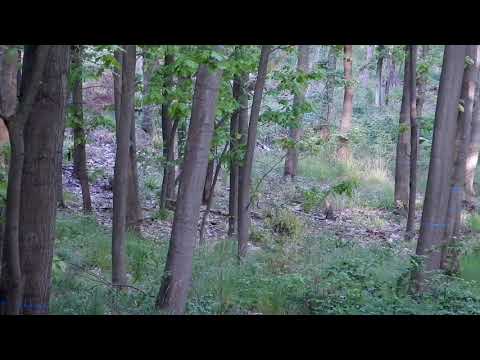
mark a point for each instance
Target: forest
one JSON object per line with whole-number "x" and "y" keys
{"x": 239, "y": 179}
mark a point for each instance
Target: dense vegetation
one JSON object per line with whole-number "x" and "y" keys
{"x": 239, "y": 179}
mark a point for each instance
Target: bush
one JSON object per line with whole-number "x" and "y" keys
{"x": 286, "y": 223}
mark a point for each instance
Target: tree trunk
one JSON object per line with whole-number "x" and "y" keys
{"x": 379, "y": 95}
{"x": 8, "y": 103}
{"x": 473, "y": 151}
{"x": 409, "y": 233}
{"x": 133, "y": 214}
{"x": 402, "y": 160}
{"x": 422, "y": 83}
{"x": 236, "y": 133}
{"x": 12, "y": 282}
{"x": 389, "y": 84}
{"x": 455, "y": 203}
{"x": 343, "y": 150}
{"x": 207, "y": 187}
{"x": 441, "y": 164}
{"x": 246, "y": 169}
{"x": 43, "y": 137}
{"x": 329, "y": 86}
{"x": 79, "y": 138}
{"x": 365, "y": 72}
{"x": 147, "y": 113}
{"x": 173, "y": 293}
{"x": 291, "y": 161}
{"x": 212, "y": 194}
{"x": 233, "y": 178}
{"x": 168, "y": 181}
{"x": 120, "y": 183}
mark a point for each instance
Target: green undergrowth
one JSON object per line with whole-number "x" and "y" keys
{"x": 293, "y": 275}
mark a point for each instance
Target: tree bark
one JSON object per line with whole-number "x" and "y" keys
{"x": 147, "y": 113}
{"x": 402, "y": 160}
{"x": 329, "y": 86}
{"x": 12, "y": 283}
{"x": 473, "y": 150}
{"x": 43, "y": 135}
{"x": 246, "y": 169}
{"x": 291, "y": 161}
{"x": 212, "y": 194}
{"x": 173, "y": 293}
{"x": 233, "y": 178}
{"x": 343, "y": 150}
{"x": 379, "y": 94}
{"x": 79, "y": 138}
{"x": 168, "y": 181}
{"x": 207, "y": 187}
{"x": 441, "y": 164}
{"x": 365, "y": 73}
{"x": 133, "y": 214}
{"x": 422, "y": 83}
{"x": 120, "y": 184}
{"x": 409, "y": 233}
{"x": 390, "y": 82}
{"x": 455, "y": 202}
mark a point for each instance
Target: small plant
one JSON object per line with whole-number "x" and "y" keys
{"x": 95, "y": 175}
{"x": 152, "y": 184}
{"x": 257, "y": 236}
{"x": 163, "y": 214}
{"x": 313, "y": 198}
{"x": 286, "y": 223}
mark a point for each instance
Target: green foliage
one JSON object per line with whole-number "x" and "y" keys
{"x": 285, "y": 223}
{"x": 474, "y": 222}
{"x": 163, "y": 214}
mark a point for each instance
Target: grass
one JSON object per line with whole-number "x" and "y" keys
{"x": 310, "y": 275}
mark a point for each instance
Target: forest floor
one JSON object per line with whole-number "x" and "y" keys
{"x": 359, "y": 224}
{"x": 299, "y": 261}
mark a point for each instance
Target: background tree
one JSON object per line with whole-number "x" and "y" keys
{"x": 79, "y": 138}
{"x": 343, "y": 151}
{"x": 246, "y": 168}
{"x": 291, "y": 161}
{"x": 172, "y": 296}
{"x": 120, "y": 186}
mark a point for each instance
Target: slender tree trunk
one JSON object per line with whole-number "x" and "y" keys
{"x": 329, "y": 86}
{"x": 212, "y": 194}
{"x": 207, "y": 187}
{"x": 147, "y": 118}
{"x": 470, "y": 76}
{"x": 379, "y": 95}
{"x": 389, "y": 84}
{"x": 402, "y": 160}
{"x": 173, "y": 292}
{"x": 343, "y": 151}
{"x": 246, "y": 169}
{"x": 473, "y": 151}
{"x": 291, "y": 161}
{"x": 238, "y": 85}
{"x": 409, "y": 233}
{"x": 441, "y": 163}
{"x": 365, "y": 72}
{"x": 12, "y": 283}
{"x": 422, "y": 83}
{"x": 79, "y": 138}
{"x": 120, "y": 186}
{"x": 133, "y": 213}
{"x": 168, "y": 182}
